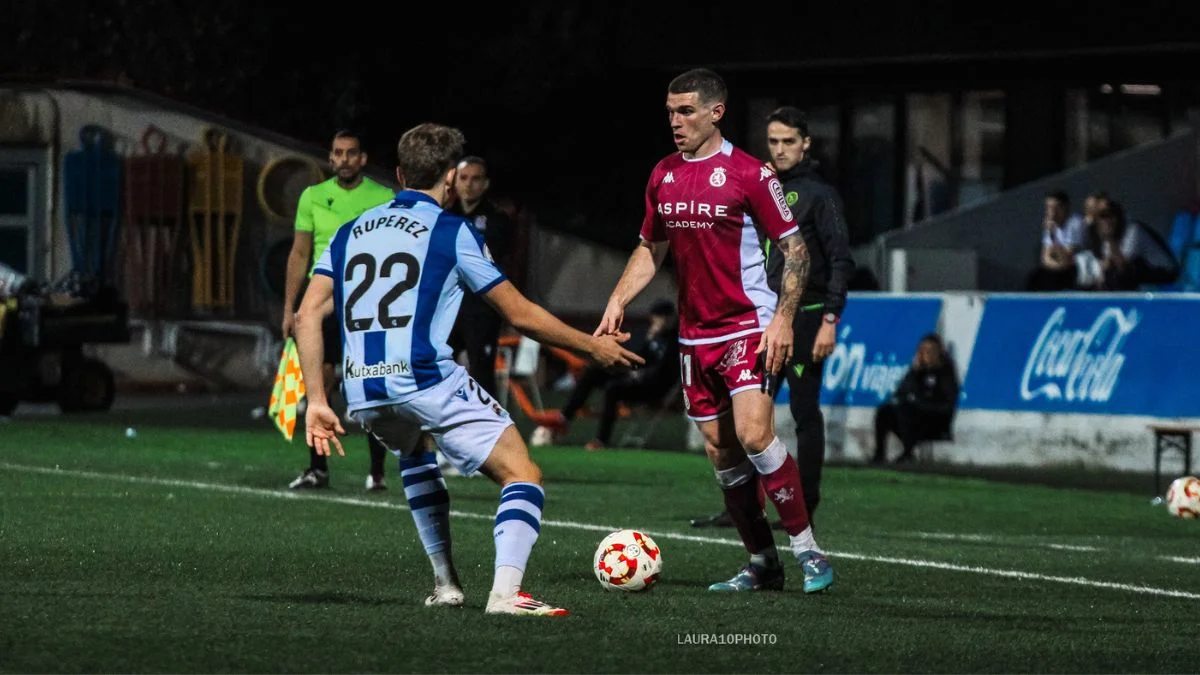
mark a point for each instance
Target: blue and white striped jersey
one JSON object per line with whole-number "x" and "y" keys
{"x": 398, "y": 274}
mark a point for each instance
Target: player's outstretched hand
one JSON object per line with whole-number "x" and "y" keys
{"x": 607, "y": 351}
{"x": 322, "y": 429}
{"x": 614, "y": 314}
{"x": 776, "y": 345}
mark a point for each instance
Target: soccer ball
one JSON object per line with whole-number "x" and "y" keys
{"x": 627, "y": 560}
{"x": 1183, "y": 497}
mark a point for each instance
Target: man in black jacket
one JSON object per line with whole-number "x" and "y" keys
{"x": 923, "y": 406}
{"x": 818, "y": 211}
{"x": 478, "y": 328}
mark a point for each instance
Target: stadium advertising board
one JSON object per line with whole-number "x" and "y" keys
{"x": 1134, "y": 356}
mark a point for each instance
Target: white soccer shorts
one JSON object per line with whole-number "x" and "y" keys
{"x": 464, "y": 420}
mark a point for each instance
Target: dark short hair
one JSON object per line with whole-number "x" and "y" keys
{"x": 349, "y": 133}
{"x": 426, "y": 152}
{"x": 1059, "y": 196}
{"x": 473, "y": 160}
{"x": 791, "y": 116}
{"x": 1100, "y": 194}
{"x": 1115, "y": 211}
{"x": 702, "y": 81}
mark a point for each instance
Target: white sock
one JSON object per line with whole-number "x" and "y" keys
{"x": 425, "y": 490}
{"x": 518, "y": 522}
{"x": 508, "y": 581}
{"x": 735, "y": 476}
{"x": 443, "y": 568}
{"x": 768, "y": 558}
{"x": 770, "y": 459}
{"x": 805, "y": 542}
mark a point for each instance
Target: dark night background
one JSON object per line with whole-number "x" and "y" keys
{"x": 564, "y": 99}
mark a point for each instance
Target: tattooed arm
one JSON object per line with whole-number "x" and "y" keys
{"x": 795, "y": 275}
{"x": 777, "y": 339}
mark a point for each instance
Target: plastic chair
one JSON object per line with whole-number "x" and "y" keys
{"x": 1182, "y": 229}
{"x": 1189, "y": 278}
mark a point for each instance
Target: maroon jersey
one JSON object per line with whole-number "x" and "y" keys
{"x": 709, "y": 210}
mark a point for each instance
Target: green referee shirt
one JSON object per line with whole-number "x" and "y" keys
{"x": 325, "y": 207}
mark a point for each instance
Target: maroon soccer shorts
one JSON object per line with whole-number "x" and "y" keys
{"x": 713, "y": 373}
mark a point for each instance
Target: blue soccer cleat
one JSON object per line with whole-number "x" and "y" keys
{"x": 752, "y": 578}
{"x": 818, "y": 573}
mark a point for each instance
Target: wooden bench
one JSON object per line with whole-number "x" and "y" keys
{"x": 1176, "y": 437}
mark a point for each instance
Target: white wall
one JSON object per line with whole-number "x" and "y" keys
{"x": 987, "y": 438}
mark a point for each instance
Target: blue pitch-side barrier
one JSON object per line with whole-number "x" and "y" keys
{"x": 1075, "y": 354}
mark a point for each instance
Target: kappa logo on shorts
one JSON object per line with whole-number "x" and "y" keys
{"x": 687, "y": 403}
{"x": 745, "y": 376}
{"x": 734, "y": 356}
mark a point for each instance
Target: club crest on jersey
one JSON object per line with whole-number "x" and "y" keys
{"x": 481, "y": 223}
{"x": 717, "y": 179}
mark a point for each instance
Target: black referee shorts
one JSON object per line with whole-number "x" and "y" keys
{"x": 331, "y": 331}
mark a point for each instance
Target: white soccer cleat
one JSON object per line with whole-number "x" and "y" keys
{"x": 374, "y": 484}
{"x": 445, "y": 596}
{"x": 522, "y": 604}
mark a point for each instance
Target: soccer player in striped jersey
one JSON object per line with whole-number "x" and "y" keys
{"x": 395, "y": 277}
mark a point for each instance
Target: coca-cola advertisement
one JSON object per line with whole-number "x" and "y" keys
{"x": 1112, "y": 356}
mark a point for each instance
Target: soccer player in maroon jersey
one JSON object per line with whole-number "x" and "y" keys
{"x": 707, "y": 203}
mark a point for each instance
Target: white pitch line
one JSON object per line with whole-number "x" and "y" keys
{"x": 356, "y": 501}
{"x": 989, "y": 539}
{"x": 1180, "y": 559}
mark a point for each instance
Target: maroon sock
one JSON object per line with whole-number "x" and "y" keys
{"x": 783, "y": 489}
{"x": 748, "y": 517}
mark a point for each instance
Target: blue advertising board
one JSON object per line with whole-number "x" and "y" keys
{"x": 877, "y": 339}
{"x": 1112, "y": 356}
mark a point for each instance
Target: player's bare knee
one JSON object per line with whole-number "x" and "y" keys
{"x": 756, "y": 440}
{"x": 509, "y": 461}
{"x": 725, "y": 456}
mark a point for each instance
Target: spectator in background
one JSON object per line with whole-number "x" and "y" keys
{"x": 648, "y": 384}
{"x": 923, "y": 406}
{"x": 1125, "y": 255}
{"x": 1062, "y": 236}
{"x": 478, "y": 328}
{"x": 1092, "y": 206}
